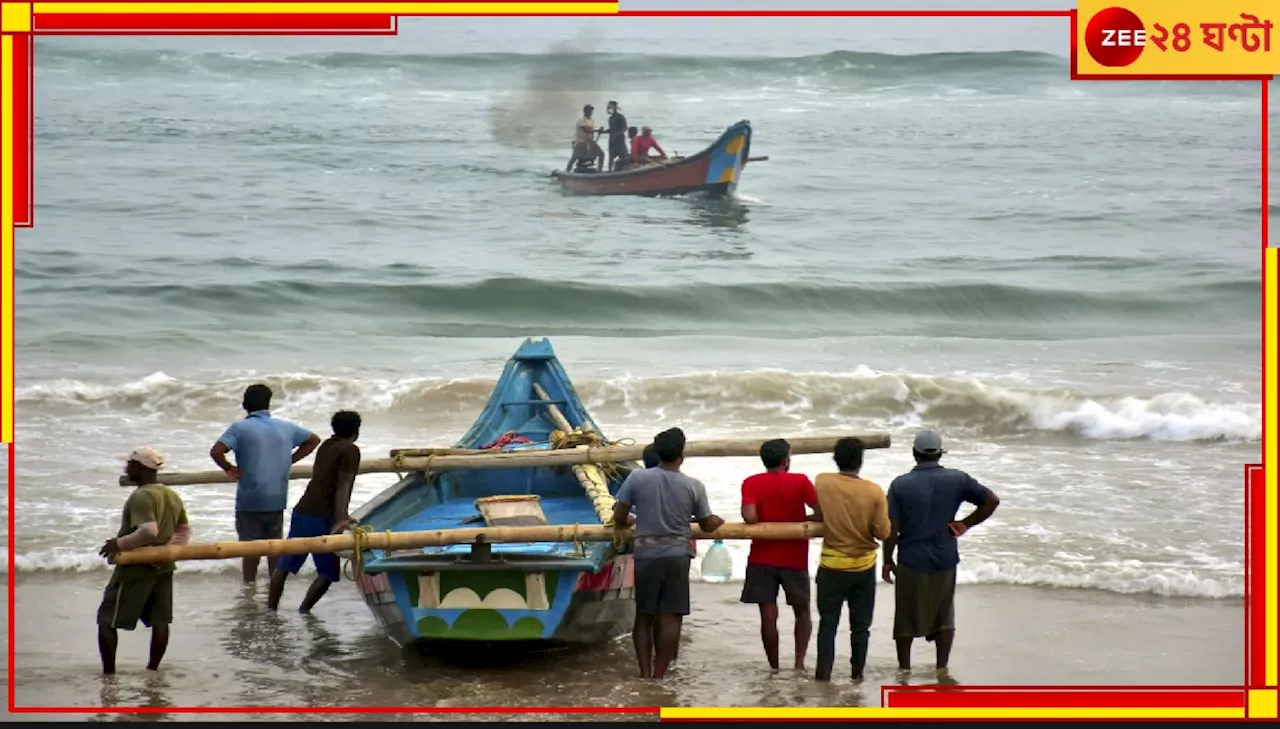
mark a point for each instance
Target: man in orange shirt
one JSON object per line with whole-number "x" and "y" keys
{"x": 779, "y": 496}
{"x": 855, "y": 514}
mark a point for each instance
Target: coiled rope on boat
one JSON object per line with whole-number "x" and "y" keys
{"x": 593, "y": 477}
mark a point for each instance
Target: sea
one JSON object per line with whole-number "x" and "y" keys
{"x": 1060, "y": 277}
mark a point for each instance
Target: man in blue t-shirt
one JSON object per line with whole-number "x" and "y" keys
{"x": 266, "y": 449}
{"x": 924, "y": 528}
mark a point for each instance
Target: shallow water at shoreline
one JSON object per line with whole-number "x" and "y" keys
{"x": 227, "y": 649}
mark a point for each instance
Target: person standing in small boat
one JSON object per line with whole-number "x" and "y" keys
{"x": 923, "y": 527}
{"x": 618, "y": 151}
{"x": 641, "y": 145}
{"x": 664, "y": 500}
{"x": 322, "y": 510}
{"x": 266, "y": 449}
{"x": 585, "y": 146}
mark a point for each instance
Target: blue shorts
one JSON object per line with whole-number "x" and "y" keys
{"x": 303, "y": 525}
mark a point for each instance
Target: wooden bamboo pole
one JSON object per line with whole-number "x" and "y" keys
{"x": 729, "y": 447}
{"x": 437, "y": 451}
{"x": 442, "y": 537}
{"x": 601, "y": 502}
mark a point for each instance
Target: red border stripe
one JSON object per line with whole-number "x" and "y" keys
{"x": 946, "y": 697}
{"x": 262, "y": 23}
{"x": 1255, "y": 576}
{"x": 12, "y": 579}
{"x": 976, "y": 697}
{"x": 23, "y": 125}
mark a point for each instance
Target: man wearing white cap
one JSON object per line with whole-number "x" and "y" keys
{"x": 923, "y": 526}
{"x": 153, "y": 516}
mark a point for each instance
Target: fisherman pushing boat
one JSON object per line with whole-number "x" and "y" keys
{"x": 664, "y": 499}
{"x": 265, "y": 449}
{"x": 561, "y": 580}
{"x": 322, "y": 510}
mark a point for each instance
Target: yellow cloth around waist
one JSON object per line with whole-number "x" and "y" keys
{"x": 833, "y": 560}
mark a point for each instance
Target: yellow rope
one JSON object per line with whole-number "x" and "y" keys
{"x": 360, "y": 537}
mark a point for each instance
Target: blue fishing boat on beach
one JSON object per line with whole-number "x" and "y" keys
{"x": 563, "y": 592}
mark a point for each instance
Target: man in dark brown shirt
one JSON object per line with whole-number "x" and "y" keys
{"x": 322, "y": 510}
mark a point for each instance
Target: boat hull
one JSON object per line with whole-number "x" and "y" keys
{"x": 581, "y": 607}
{"x": 555, "y": 592}
{"x": 713, "y": 172}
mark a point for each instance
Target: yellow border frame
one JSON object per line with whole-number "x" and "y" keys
{"x": 15, "y": 17}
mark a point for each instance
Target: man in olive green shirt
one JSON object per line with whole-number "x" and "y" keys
{"x": 153, "y": 516}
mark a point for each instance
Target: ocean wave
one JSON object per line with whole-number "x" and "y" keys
{"x": 1130, "y": 578}
{"x": 806, "y": 401}
{"x": 521, "y": 303}
{"x": 853, "y": 64}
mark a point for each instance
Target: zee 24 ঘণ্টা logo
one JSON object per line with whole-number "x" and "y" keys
{"x": 1116, "y": 37}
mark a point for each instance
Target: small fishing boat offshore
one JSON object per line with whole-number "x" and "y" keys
{"x": 508, "y": 535}
{"x": 713, "y": 172}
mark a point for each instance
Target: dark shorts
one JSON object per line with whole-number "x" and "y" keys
{"x": 763, "y": 581}
{"x": 924, "y": 602}
{"x": 618, "y": 147}
{"x": 144, "y": 594}
{"x": 303, "y": 525}
{"x": 587, "y": 151}
{"x": 254, "y": 525}
{"x": 662, "y": 586}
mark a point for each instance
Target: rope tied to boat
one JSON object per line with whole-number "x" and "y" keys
{"x": 577, "y": 540}
{"x": 594, "y": 478}
{"x": 360, "y": 536}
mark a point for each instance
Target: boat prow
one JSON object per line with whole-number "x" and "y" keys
{"x": 577, "y": 592}
{"x": 715, "y": 171}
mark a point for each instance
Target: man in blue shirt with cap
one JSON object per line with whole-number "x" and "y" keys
{"x": 923, "y": 527}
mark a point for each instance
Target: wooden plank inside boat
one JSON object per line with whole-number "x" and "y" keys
{"x": 512, "y": 510}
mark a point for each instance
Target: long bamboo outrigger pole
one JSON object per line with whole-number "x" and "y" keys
{"x": 590, "y": 477}
{"x": 442, "y": 537}
{"x": 536, "y": 459}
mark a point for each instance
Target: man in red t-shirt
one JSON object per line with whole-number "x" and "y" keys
{"x": 779, "y": 496}
{"x": 641, "y": 145}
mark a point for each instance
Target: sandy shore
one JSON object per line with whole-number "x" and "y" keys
{"x": 228, "y": 650}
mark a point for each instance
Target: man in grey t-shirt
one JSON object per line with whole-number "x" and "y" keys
{"x": 664, "y": 500}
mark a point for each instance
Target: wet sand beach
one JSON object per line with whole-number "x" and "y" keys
{"x": 227, "y": 649}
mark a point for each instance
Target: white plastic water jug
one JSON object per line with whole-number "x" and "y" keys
{"x": 717, "y": 565}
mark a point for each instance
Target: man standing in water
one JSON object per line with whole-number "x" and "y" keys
{"x": 153, "y": 515}
{"x": 777, "y": 495}
{"x": 855, "y": 514}
{"x": 266, "y": 449}
{"x": 322, "y": 510}
{"x": 664, "y": 500}
{"x": 618, "y": 150}
{"x": 923, "y": 526}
